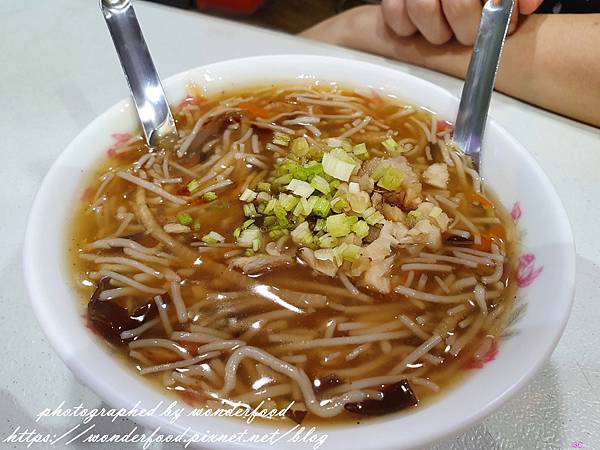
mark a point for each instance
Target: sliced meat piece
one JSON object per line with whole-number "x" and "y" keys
{"x": 326, "y": 267}
{"x": 437, "y": 175}
{"x": 377, "y": 275}
{"x": 252, "y": 265}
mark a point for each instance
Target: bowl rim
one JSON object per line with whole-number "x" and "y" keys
{"x": 108, "y": 393}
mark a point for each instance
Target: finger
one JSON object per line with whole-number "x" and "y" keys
{"x": 529, "y": 6}
{"x": 428, "y": 17}
{"x": 396, "y": 17}
{"x": 463, "y": 16}
{"x": 514, "y": 19}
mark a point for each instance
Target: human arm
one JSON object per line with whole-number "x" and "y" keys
{"x": 551, "y": 61}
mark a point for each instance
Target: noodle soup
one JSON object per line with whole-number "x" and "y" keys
{"x": 305, "y": 245}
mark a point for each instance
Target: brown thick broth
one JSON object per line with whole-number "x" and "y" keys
{"x": 205, "y": 271}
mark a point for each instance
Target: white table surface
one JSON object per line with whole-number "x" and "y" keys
{"x": 58, "y": 71}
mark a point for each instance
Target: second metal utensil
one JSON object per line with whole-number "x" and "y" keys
{"x": 481, "y": 75}
{"x": 144, "y": 83}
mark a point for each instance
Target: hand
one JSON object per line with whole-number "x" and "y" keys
{"x": 439, "y": 20}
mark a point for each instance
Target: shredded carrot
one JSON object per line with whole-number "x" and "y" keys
{"x": 474, "y": 197}
{"x": 485, "y": 245}
{"x": 489, "y": 236}
{"x": 187, "y": 101}
{"x": 443, "y": 125}
{"x": 196, "y": 92}
{"x": 255, "y": 110}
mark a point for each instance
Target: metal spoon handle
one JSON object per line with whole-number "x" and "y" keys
{"x": 481, "y": 75}
{"x": 140, "y": 73}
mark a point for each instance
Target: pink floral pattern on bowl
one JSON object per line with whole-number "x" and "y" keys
{"x": 489, "y": 356}
{"x": 120, "y": 140}
{"x": 527, "y": 272}
{"x": 516, "y": 212}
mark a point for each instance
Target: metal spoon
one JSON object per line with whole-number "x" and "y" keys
{"x": 140, "y": 73}
{"x": 481, "y": 75}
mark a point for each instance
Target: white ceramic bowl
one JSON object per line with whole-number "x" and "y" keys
{"x": 507, "y": 167}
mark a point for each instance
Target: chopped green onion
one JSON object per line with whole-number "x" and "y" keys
{"x": 300, "y": 146}
{"x": 349, "y": 252}
{"x": 340, "y": 225}
{"x": 338, "y": 204}
{"x": 314, "y": 168}
{"x": 287, "y": 167}
{"x": 248, "y": 236}
{"x": 390, "y": 144}
{"x": 248, "y": 195}
{"x": 270, "y": 206}
{"x": 315, "y": 152}
{"x": 319, "y": 225}
{"x": 196, "y": 226}
{"x": 299, "y": 208}
{"x": 209, "y": 196}
{"x": 263, "y": 186}
{"x": 301, "y": 174}
{"x": 372, "y": 216}
{"x": 193, "y": 186}
{"x": 320, "y": 184}
{"x": 288, "y": 202}
{"x": 379, "y": 171}
{"x": 304, "y": 207}
{"x": 353, "y": 188}
{"x": 337, "y": 165}
{"x": 327, "y": 241}
{"x": 247, "y": 223}
{"x": 184, "y": 218}
{"x": 321, "y": 207}
{"x": 334, "y": 142}
{"x": 212, "y": 238}
{"x": 300, "y": 188}
{"x": 359, "y": 201}
{"x": 435, "y": 212}
{"x": 250, "y": 210}
{"x": 361, "y": 229}
{"x": 263, "y": 197}
{"x": 237, "y": 232}
{"x": 270, "y": 222}
{"x": 284, "y": 179}
{"x": 280, "y": 138}
{"x": 324, "y": 254}
{"x": 311, "y": 203}
{"x": 276, "y": 234}
{"x": 360, "y": 151}
{"x": 302, "y": 234}
{"x": 413, "y": 217}
{"x": 249, "y": 252}
{"x": 391, "y": 179}
{"x": 281, "y": 215}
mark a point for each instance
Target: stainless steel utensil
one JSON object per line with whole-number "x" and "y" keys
{"x": 144, "y": 83}
{"x": 481, "y": 75}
